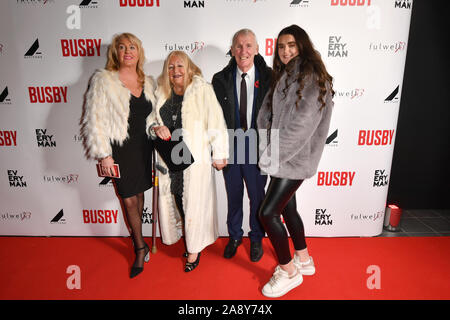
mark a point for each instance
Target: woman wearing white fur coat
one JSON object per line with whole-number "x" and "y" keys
{"x": 186, "y": 101}
{"x": 118, "y": 102}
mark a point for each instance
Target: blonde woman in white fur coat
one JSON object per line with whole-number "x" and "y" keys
{"x": 118, "y": 102}
{"x": 186, "y": 101}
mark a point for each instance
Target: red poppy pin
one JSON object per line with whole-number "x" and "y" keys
{"x": 257, "y": 84}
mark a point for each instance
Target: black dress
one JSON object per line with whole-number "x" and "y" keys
{"x": 170, "y": 113}
{"x": 135, "y": 155}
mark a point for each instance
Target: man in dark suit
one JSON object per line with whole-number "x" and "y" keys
{"x": 240, "y": 88}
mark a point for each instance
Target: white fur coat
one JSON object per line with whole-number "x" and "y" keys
{"x": 204, "y": 131}
{"x": 105, "y": 117}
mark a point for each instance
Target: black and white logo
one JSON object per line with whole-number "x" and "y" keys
{"x": 4, "y": 96}
{"x": 16, "y": 180}
{"x": 403, "y": 4}
{"x": 393, "y": 97}
{"x": 89, "y": 4}
{"x": 323, "y": 218}
{"x": 32, "y": 51}
{"x": 299, "y": 3}
{"x": 106, "y": 182}
{"x": 147, "y": 216}
{"x": 194, "y": 4}
{"x": 337, "y": 48}
{"x": 332, "y": 139}
{"x": 45, "y": 139}
{"x": 59, "y": 218}
{"x": 380, "y": 178}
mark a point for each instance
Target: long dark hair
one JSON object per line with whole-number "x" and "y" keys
{"x": 311, "y": 64}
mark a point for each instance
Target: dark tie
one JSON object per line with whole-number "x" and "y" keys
{"x": 243, "y": 103}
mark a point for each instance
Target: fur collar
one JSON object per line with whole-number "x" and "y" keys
{"x": 111, "y": 79}
{"x": 197, "y": 82}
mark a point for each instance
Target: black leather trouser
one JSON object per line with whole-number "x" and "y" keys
{"x": 280, "y": 200}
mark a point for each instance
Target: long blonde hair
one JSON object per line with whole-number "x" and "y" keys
{"x": 191, "y": 70}
{"x": 112, "y": 64}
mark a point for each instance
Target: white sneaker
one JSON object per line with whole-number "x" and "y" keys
{"x": 281, "y": 283}
{"x": 306, "y": 268}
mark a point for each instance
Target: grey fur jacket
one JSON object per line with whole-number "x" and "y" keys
{"x": 297, "y": 135}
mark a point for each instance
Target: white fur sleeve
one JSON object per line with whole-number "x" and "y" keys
{"x": 94, "y": 124}
{"x": 151, "y": 121}
{"x": 217, "y": 129}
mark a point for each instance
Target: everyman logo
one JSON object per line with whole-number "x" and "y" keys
{"x": 322, "y": 218}
{"x": 15, "y": 180}
{"x": 380, "y": 178}
{"x": 337, "y": 47}
{"x": 194, "y": 4}
{"x": 403, "y": 4}
{"x": 44, "y": 139}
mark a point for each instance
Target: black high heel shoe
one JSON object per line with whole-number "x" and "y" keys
{"x": 192, "y": 265}
{"x": 137, "y": 270}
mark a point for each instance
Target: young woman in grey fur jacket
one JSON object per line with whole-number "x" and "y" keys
{"x": 296, "y": 112}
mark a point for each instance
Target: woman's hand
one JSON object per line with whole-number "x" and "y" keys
{"x": 107, "y": 165}
{"x": 219, "y": 164}
{"x": 162, "y": 132}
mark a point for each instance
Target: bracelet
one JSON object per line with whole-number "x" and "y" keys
{"x": 152, "y": 127}
{"x": 151, "y": 130}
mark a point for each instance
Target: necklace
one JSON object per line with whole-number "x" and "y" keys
{"x": 175, "y": 108}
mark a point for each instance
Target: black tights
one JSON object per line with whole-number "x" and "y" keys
{"x": 134, "y": 206}
{"x": 280, "y": 200}
{"x": 179, "y": 203}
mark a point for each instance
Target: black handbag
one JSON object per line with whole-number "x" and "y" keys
{"x": 182, "y": 156}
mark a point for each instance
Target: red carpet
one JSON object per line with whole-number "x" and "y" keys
{"x": 35, "y": 268}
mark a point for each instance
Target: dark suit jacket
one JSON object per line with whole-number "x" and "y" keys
{"x": 224, "y": 83}
{"x": 225, "y": 89}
